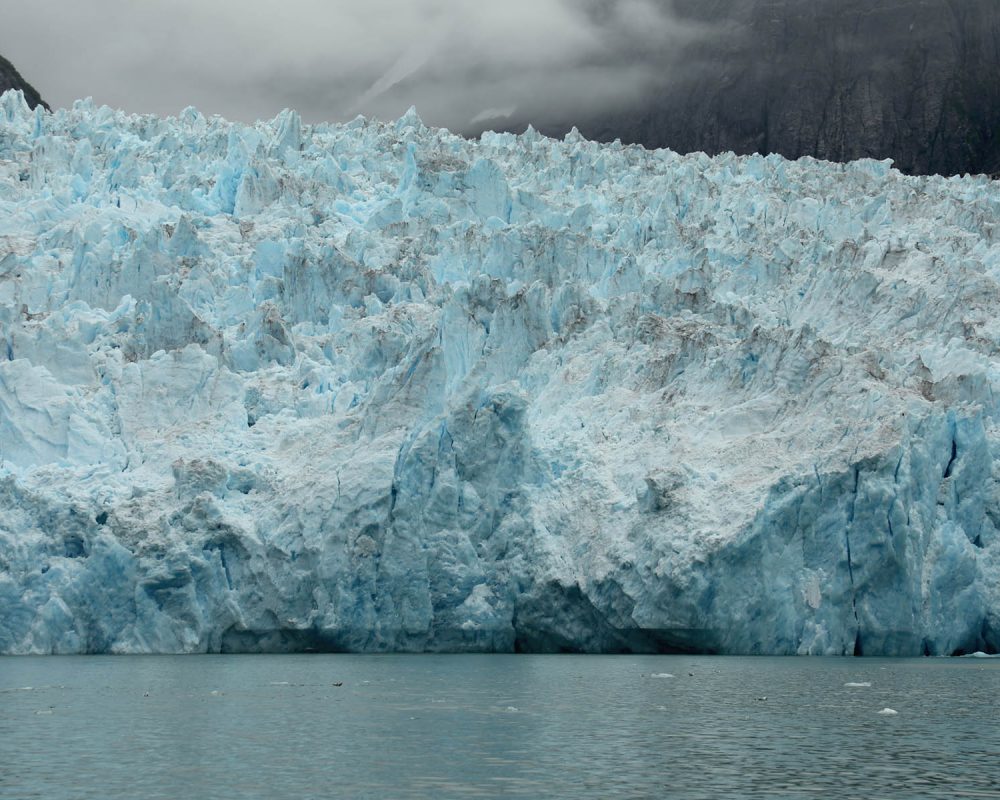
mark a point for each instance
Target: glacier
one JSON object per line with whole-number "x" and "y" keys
{"x": 373, "y": 386}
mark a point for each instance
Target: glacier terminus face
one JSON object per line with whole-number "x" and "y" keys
{"x": 376, "y": 387}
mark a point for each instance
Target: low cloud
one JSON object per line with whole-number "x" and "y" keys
{"x": 456, "y": 60}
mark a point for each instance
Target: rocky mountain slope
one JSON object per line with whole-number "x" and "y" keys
{"x": 917, "y": 81}
{"x": 375, "y": 387}
{"x": 10, "y": 78}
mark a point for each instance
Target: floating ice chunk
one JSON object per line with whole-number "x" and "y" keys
{"x": 661, "y": 675}
{"x": 981, "y": 654}
{"x": 512, "y": 709}
{"x": 888, "y": 712}
{"x": 858, "y": 684}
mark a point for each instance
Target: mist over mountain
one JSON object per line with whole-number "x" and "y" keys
{"x": 917, "y": 81}
{"x": 10, "y": 78}
{"x": 911, "y": 80}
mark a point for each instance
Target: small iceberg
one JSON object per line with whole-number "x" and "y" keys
{"x": 981, "y": 654}
{"x": 888, "y": 712}
{"x": 661, "y": 675}
{"x": 858, "y": 684}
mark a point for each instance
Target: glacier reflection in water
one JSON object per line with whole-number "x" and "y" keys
{"x": 492, "y": 726}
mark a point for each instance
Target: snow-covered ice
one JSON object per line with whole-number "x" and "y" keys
{"x": 376, "y": 387}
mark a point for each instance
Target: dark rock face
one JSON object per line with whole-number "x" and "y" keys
{"x": 917, "y": 81}
{"x": 10, "y": 78}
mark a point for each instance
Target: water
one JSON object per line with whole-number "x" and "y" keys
{"x": 496, "y": 726}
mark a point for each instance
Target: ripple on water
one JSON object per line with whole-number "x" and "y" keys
{"x": 496, "y": 726}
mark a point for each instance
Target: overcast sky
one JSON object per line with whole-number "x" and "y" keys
{"x": 456, "y": 60}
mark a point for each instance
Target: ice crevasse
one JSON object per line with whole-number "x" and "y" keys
{"x": 374, "y": 387}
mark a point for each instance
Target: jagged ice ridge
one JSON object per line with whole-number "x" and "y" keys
{"x": 376, "y": 387}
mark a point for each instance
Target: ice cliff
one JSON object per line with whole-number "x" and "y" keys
{"x": 374, "y": 386}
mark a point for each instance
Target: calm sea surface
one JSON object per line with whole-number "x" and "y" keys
{"x": 195, "y": 727}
